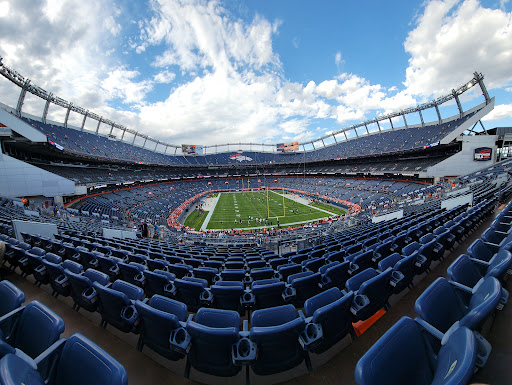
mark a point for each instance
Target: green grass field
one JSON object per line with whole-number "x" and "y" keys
{"x": 195, "y": 219}
{"x": 235, "y": 207}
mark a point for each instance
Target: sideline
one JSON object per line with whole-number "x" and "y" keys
{"x": 210, "y": 213}
{"x": 293, "y": 198}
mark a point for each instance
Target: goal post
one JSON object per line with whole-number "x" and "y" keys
{"x": 268, "y": 205}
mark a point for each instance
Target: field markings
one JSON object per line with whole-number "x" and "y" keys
{"x": 313, "y": 207}
{"x": 210, "y": 213}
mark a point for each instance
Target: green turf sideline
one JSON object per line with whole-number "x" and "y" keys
{"x": 242, "y": 205}
{"x": 210, "y": 213}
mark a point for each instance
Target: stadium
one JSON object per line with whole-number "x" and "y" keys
{"x": 376, "y": 254}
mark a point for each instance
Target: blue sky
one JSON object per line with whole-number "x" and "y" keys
{"x": 260, "y": 71}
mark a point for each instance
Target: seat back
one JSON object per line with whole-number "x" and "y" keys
{"x": 479, "y": 250}
{"x": 331, "y": 309}
{"x": 482, "y": 304}
{"x": 440, "y": 305}
{"x": 268, "y": 293}
{"x": 227, "y": 295}
{"x": 189, "y": 291}
{"x": 213, "y": 333}
{"x": 158, "y": 319}
{"x": 399, "y": 357}
{"x": 276, "y": 332}
{"x": 12, "y": 297}
{"x": 82, "y": 362}
{"x": 156, "y": 281}
{"x": 38, "y": 328}
{"x": 463, "y": 271}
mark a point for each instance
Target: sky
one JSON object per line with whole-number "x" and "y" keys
{"x": 259, "y": 71}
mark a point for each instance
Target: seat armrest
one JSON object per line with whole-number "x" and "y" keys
{"x": 492, "y": 246}
{"x": 248, "y": 300}
{"x": 479, "y": 262}
{"x": 311, "y": 335}
{"x": 30, "y": 361}
{"x": 170, "y": 289}
{"x": 206, "y": 297}
{"x": 396, "y": 278}
{"x": 420, "y": 260}
{"x": 12, "y": 315}
{"x": 359, "y": 303}
{"x": 90, "y": 295}
{"x": 429, "y": 328}
{"x": 180, "y": 340}
{"x": 244, "y": 352}
{"x": 461, "y": 287}
{"x": 354, "y": 267}
{"x": 289, "y": 294}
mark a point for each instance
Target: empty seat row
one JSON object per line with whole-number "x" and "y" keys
{"x": 32, "y": 352}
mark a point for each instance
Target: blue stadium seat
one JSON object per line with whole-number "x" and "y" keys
{"x": 267, "y": 293}
{"x": 486, "y": 251}
{"x": 468, "y": 271}
{"x": 116, "y": 304}
{"x": 259, "y": 273}
{"x": 306, "y": 285}
{"x": 372, "y": 291}
{"x": 441, "y": 307}
{"x": 82, "y": 291}
{"x": 56, "y": 277}
{"x": 189, "y": 291}
{"x": 226, "y": 295}
{"x": 403, "y": 356}
{"x": 207, "y": 273}
{"x": 334, "y": 274}
{"x": 159, "y": 282}
{"x": 159, "y": 318}
{"x": 12, "y": 298}
{"x": 78, "y": 361}
{"x": 275, "y": 331}
{"x": 40, "y": 272}
{"x": 331, "y": 310}
{"x": 132, "y": 273}
{"x": 403, "y": 271}
{"x": 212, "y": 336}
{"x": 33, "y": 329}
{"x": 31, "y": 260}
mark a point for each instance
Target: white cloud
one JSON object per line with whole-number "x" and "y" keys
{"x": 203, "y": 35}
{"x": 120, "y": 84}
{"x": 225, "y": 82}
{"x": 4, "y": 8}
{"x": 453, "y": 39}
{"x": 164, "y": 77}
{"x": 337, "y": 58}
{"x": 68, "y": 52}
{"x": 499, "y": 112}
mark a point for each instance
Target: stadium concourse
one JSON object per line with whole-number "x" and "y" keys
{"x": 350, "y": 300}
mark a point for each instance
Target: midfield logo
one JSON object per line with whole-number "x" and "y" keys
{"x": 240, "y": 158}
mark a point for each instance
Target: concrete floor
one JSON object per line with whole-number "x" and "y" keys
{"x": 335, "y": 366}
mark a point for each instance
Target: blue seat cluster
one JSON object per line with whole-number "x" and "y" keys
{"x": 444, "y": 345}
{"x": 32, "y": 352}
{"x": 150, "y": 288}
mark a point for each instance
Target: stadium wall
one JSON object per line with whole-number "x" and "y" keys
{"x": 464, "y": 161}
{"x": 22, "y": 179}
{"x": 19, "y": 126}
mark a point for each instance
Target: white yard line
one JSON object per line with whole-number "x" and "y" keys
{"x": 300, "y": 200}
{"x": 210, "y": 213}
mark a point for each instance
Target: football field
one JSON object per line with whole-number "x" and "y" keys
{"x": 262, "y": 209}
